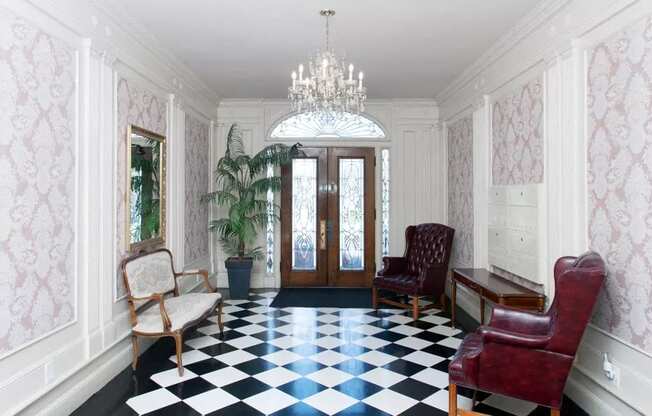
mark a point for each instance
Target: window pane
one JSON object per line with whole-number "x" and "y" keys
{"x": 269, "y": 235}
{"x": 384, "y": 166}
{"x": 351, "y": 188}
{"x": 304, "y": 214}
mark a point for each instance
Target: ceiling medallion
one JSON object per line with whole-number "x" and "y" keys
{"x": 326, "y": 88}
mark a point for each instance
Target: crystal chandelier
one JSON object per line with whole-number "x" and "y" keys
{"x": 325, "y": 88}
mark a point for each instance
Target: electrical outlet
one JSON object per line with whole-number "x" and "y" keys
{"x": 616, "y": 380}
{"x": 610, "y": 371}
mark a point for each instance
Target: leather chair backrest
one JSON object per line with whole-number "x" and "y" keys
{"x": 577, "y": 286}
{"x": 427, "y": 244}
{"x": 150, "y": 273}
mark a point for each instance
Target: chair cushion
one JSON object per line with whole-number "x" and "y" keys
{"x": 402, "y": 283}
{"x": 181, "y": 310}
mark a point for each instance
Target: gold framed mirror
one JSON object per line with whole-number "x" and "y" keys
{"x": 146, "y": 194}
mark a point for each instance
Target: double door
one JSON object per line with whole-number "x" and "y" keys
{"x": 328, "y": 217}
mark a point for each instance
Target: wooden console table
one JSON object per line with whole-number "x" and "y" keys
{"x": 496, "y": 289}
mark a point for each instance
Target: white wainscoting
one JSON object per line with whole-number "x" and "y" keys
{"x": 417, "y": 158}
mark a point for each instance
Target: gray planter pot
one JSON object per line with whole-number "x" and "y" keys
{"x": 239, "y": 272}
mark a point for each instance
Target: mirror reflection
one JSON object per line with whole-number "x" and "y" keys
{"x": 146, "y": 187}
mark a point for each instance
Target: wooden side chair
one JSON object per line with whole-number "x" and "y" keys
{"x": 149, "y": 279}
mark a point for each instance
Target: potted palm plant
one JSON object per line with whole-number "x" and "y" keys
{"x": 242, "y": 185}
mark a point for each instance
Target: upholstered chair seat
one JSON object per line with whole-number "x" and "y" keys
{"x": 421, "y": 272}
{"x": 529, "y": 355}
{"x": 156, "y": 306}
{"x": 182, "y": 310}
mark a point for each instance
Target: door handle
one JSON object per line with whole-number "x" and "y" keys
{"x": 322, "y": 235}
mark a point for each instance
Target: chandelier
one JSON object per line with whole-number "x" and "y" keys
{"x": 326, "y": 87}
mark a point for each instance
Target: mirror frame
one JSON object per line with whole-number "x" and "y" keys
{"x": 160, "y": 239}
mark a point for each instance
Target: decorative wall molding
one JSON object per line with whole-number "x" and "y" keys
{"x": 103, "y": 54}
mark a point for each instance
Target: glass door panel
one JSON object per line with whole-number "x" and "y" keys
{"x": 304, "y": 214}
{"x": 351, "y": 196}
{"x": 304, "y": 207}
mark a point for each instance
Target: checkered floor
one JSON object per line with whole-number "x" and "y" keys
{"x": 307, "y": 361}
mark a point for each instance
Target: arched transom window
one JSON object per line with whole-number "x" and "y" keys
{"x": 327, "y": 125}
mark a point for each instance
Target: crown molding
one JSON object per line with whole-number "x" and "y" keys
{"x": 182, "y": 77}
{"x": 543, "y": 11}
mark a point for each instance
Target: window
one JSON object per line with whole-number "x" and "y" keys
{"x": 384, "y": 200}
{"x": 327, "y": 125}
{"x": 269, "y": 235}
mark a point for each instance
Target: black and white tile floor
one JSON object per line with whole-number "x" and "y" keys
{"x": 302, "y": 361}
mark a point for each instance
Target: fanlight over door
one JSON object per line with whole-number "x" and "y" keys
{"x": 324, "y": 125}
{"x": 327, "y": 223}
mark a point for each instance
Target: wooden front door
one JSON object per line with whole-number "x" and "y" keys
{"x": 327, "y": 218}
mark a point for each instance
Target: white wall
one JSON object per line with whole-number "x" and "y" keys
{"x": 417, "y": 158}
{"x": 553, "y": 40}
{"x": 58, "y": 371}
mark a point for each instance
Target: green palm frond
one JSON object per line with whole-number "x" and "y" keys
{"x": 241, "y": 180}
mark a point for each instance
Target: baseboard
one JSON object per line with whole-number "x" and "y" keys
{"x": 74, "y": 389}
{"x": 587, "y": 386}
{"x": 630, "y": 395}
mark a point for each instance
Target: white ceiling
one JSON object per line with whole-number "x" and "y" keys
{"x": 247, "y": 48}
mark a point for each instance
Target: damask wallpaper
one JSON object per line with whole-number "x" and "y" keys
{"x": 196, "y": 184}
{"x": 517, "y": 145}
{"x": 460, "y": 190}
{"x": 37, "y": 182}
{"x": 620, "y": 179}
{"x": 140, "y": 107}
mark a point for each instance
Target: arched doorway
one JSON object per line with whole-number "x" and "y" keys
{"x": 328, "y": 203}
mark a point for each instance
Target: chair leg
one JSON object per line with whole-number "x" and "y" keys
{"x": 178, "y": 341}
{"x": 554, "y": 412}
{"x": 474, "y": 399}
{"x": 452, "y": 400}
{"x": 134, "y": 345}
{"x": 415, "y": 308}
{"x": 220, "y": 322}
{"x": 442, "y": 301}
{"x": 374, "y": 297}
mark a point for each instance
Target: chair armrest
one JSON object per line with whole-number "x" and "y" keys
{"x": 393, "y": 265}
{"x": 201, "y": 272}
{"x": 516, "y": 339}
{"x": 516, "y": 320}
{"x": 160, "y": 298}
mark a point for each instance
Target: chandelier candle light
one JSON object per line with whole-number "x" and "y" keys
{"x": 325, "y": 88}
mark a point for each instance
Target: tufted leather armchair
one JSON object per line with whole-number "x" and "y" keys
{"x": 421, "y": 271}
{"x": 529, "y": 355}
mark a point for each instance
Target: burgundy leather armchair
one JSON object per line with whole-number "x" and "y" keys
{"x": 421, "y": 271}
{"x": 529, "y": 355}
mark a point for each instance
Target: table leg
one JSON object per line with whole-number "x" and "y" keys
{"x": 453, "y": 301}
{"x": 481, "y": 310}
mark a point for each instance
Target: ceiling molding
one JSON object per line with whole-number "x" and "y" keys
{"x": 136, "y": 31}
{"x": 534, "y": 19}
